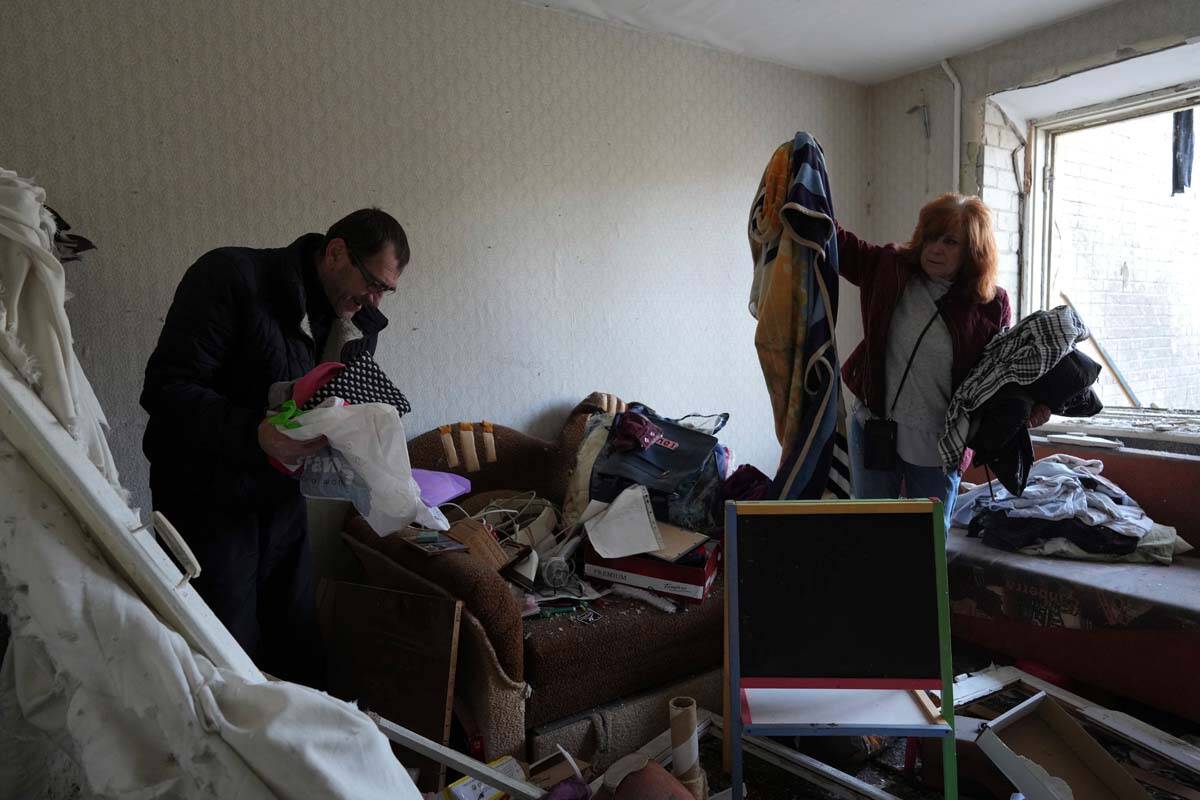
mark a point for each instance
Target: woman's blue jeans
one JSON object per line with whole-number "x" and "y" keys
{"x": 918, "y": 482}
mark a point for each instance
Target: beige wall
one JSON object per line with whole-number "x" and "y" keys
{"x": 576, "y": 193}
{"x": 908, "y": 169}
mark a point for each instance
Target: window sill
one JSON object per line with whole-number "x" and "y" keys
{"x": 1137, "y": 428}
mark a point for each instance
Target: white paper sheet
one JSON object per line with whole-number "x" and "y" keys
{"x": 624, "y": 527}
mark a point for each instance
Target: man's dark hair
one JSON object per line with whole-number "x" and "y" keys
{"x": 367, "y": 230}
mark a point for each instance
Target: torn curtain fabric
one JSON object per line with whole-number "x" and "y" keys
{"x": 92, "y": 668}
{"x": 35, "y": 334}
{"x": 794, "y": 297}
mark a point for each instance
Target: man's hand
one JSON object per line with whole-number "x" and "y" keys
{"x": 285, "y": 449}
{"x": 1039, "y": 416}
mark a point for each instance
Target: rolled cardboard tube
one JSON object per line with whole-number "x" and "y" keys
{"x": 685, "y": 746}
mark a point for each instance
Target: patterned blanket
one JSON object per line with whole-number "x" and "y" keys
{"x": 794, "y": 297}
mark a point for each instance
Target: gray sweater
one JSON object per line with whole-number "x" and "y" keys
{"x": 920, "y": 412}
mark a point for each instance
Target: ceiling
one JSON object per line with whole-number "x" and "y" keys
{"x": 866, "y": 41}
{"x": 1173, "y": 67}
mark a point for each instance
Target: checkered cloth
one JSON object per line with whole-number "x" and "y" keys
{"x": 1019, "y": 355}
{"x": 362, "y": 381}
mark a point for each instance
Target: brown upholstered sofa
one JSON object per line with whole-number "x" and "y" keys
{"x": 600, "y": 688}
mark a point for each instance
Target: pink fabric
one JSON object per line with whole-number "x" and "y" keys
{"x": 317, "y": 377}
{"x": 303, "y": 389}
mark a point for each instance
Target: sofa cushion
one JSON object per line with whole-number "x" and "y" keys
{"x": 632, "y": 647}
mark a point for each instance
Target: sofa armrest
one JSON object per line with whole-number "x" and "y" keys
{"x": 457, "y": 574}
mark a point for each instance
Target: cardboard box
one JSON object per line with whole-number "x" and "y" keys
{"x": 679, "y": 580}
{"x": 1037, "y": 745}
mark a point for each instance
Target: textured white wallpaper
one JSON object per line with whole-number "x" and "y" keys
{"x": 575, "y": 193}
{"x": 909, "y": 168}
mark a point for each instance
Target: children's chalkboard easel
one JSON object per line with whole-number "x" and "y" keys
{"x": 838, "y": 622}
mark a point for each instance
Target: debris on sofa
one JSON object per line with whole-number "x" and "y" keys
{"x": 649, "y": 598}
{"x": 679, "y": 461}
{"x": 690, "y": 577}
{"x": 431, "y": 543}
{"x": 481, "y": 542}
{"x": 624, "y": 527}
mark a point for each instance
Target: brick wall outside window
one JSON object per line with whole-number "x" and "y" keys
{"x": 1123, "y": 249}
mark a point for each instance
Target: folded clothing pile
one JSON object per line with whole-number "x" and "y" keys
{"x": 1068, "y": 510}
{"x": 1033, "y": 363}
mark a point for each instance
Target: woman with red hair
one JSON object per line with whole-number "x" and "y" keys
{"x": 928, "y": 307}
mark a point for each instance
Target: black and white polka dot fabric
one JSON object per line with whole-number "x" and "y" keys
{"x": 362, "y": 381}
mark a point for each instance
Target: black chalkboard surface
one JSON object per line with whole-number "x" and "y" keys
{"x": 829, "y": 597}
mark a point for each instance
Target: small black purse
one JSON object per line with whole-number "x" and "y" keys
{"x": 879, "y": 444}
{"x": 879, "y": 435}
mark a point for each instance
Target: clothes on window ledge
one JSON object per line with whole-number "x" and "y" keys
{"x": 794, "y": 297}
{"x": 1068, "y": 509}
{"x": 1020, "y": 356}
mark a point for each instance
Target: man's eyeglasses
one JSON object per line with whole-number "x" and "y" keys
{"x": 374, "y": 285}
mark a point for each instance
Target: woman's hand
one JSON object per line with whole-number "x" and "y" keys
{"x": 1039, "y": 416}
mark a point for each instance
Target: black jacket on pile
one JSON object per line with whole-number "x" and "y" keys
{"x": 242, "y": 319}
{"x": 998, "y": 434}
{"x": 1001, "y": 531}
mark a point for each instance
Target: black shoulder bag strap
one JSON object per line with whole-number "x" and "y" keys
{"x": 937, "y": 310}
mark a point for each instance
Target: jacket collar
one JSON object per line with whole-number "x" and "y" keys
{"x": 292, "y": 294}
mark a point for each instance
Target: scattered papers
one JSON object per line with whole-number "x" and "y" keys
{"x": 624, "y": 527}
{"x": 677, "y": 542}
{"x": 576, "y": 589}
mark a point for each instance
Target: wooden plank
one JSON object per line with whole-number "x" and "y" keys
{"x": 396, "y": 653}
{"x": 932, "y": 712}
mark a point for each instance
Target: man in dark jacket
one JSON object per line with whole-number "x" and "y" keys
{"x": 241, "y": 321}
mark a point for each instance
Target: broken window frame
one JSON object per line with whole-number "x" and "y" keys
{"x": 1038, "y": 186}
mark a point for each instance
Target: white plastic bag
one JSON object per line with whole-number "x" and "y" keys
{"x": 369, "y": 439}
